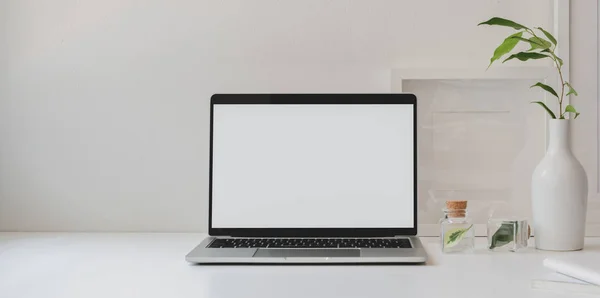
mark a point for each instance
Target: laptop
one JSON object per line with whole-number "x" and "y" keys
{"x": 312, "y": 178}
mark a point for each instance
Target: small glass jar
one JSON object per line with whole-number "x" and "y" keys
{"x": 507, "y": 234}
{"x": 457, "y": 230}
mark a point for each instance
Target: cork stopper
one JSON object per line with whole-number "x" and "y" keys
{"x": 456, "y": 208}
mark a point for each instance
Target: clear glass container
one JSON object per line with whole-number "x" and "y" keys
{"x": 507, "y": 234}
{"x": 457, "y": 230}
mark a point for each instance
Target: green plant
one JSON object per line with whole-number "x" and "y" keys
{"x": 541, "y": 48}
{"x": 504, "y": 235}
{"x": 452, "y": 237}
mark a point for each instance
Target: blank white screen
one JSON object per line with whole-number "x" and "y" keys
{"x": 313, "y": 166}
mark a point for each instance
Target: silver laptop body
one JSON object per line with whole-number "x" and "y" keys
{"x": 312, "y": 178}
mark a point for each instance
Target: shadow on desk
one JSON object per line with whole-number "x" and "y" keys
{"x": 311, "y": 281}
{"x": 311, "y": 264}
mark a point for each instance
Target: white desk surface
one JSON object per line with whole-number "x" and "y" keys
{"x": 152, "y": 265}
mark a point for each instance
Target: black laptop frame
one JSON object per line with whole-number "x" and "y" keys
{"x": 408, "y": 99}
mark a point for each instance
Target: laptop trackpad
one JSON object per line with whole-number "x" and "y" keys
{"x": 309, "y": 253}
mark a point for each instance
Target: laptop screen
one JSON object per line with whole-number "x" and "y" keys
{"x": 313, "y": 166}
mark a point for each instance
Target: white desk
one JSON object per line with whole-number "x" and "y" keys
{"x": 152, "y": 265}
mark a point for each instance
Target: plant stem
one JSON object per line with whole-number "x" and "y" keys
{"x": 562, "y": 91}
{"x": 562, "y": 81}
{"x": 562, "y": 86}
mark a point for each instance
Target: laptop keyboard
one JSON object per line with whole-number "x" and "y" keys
{"x": 310, "y": 243}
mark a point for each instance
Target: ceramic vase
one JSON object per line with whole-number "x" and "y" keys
{"x": 559, "y": 194}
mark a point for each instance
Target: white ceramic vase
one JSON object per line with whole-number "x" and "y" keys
{"x": 559, "y": 194}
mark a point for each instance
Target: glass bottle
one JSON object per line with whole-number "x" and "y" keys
{"x": 457, "y": 230}
{"x": 507, "y": 234}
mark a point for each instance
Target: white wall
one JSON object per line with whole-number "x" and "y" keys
{"x": 584, "y": 65}
{"x": 104, "y": 104}
{"x": 584, "y": 75}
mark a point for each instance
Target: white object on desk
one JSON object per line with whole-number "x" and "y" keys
{"x": 587, "y": 269}
{"x": 559, "y": 194}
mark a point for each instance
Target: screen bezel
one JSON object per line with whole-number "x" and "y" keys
{"x": 400, "y": 98}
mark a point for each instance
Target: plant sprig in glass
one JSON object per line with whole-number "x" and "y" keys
{"x": 541, "y": 48}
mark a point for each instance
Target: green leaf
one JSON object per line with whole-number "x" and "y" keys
{"x": 546, "y": 108}
{"x": 503, "y": 22}
{"x": 545, "y": 87}
{"x": 539, "y": 43}
{"x": 548, "y": 35}
{"x": 553, "y": 55}
{"x": 507, "y": 45}
{"x": 571, "y": 109}
{"x": 454, "y": 236}
{"x": 524, "y": 56}
{"x": 571, "y": 90}
{"x": 535, "y": 42}
{"x": 504, "y": 235}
